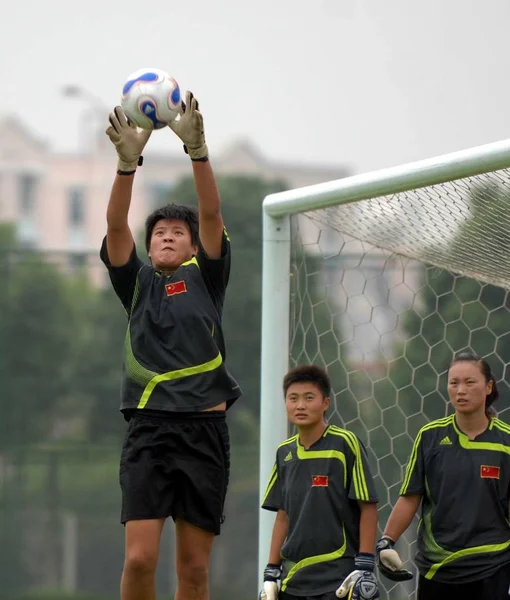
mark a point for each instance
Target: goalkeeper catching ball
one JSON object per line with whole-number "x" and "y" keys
{"x": 175, "y": 385}
{"x": 323, "y": 494}
{"x": 459, "y": 471}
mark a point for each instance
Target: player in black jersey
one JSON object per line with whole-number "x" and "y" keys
{"x": 459, "y": 471}
{"x": 323, "y": 494}
{"x": 175, "y": 385}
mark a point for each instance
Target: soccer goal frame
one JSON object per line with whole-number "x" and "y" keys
{"x": 277, "y": 211}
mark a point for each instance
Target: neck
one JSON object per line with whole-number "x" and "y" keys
{"x": 308, "y": 435}
{"x": 472, "y": 424}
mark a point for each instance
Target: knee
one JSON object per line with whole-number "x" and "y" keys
{"x": 141, "y": 563}
{"x": 193, "y": 571}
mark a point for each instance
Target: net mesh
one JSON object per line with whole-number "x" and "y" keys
{"x": 425, "y": 223}
{"x": 386, "y": 325}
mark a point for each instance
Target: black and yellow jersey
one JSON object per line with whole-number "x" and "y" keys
{"x": 174, "y": 357}
{"x": 464, "y": 532}
{"x": 319, "y": 489}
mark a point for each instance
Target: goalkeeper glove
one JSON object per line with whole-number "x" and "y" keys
{"x": 272, "y": 574}
{"x": 189, "y": 127}
{"x": 361, "y": 584}
{"x": 127, "y": 139}
{"x": 389, "y": 562}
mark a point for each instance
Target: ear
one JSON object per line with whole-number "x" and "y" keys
{"x": 490, "y": 385}
{"x": 327, "y": 403}
{"x": 195, "y": 249}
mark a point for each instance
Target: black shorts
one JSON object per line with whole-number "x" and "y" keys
{"x": 495, "y": 587}
{"x": 176, "y": 466}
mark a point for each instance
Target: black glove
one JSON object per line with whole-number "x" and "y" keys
{"x": 361, "y": 584}
{"x": 389, "y": 562}
{"x": 272, "y": 574}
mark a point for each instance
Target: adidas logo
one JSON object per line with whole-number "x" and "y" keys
{"x": 288, "y": 457}
{"x": 445, "y": 441}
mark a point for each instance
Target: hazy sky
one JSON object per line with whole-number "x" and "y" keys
{"x": 370, "y": 83}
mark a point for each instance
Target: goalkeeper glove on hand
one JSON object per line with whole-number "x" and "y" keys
{"x": 272, "y": 574}
{"x": 127, "y": 139}
{"x": 189, "y": 127}
{"x": 389, "y": 562}
{"x": 361, "y": 584}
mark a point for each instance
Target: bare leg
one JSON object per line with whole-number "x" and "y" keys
{"x": 194, "y": 546}
{"x": 142, "y": 550}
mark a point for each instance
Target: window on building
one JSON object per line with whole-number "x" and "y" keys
{"x": 76, "y": 200}
{"x": 28, "y": 230}
{"x": 27, "y": 194}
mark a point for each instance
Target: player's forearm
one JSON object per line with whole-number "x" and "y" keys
{"x": 209, "y": 204}
{"x": 120, "y": 201}
{"x": 402, "y": 515}
{"x": 368, "y": 527}
{"x": 280, "y": 528}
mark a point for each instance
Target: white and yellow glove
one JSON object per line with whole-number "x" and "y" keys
{"x": 189, "y": 127}
{"x": 271, "y": 587}
{"x": 389, "y": 562}
{"x": 361, "y": 584}
{"x": 129, "y": 141}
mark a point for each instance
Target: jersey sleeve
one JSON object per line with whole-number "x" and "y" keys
{"x": 216, "y": 272}
{"x": 414, "y": 478}
{"x": 359, "y": 477}
{"x": 273, "y": 495}
{"x": 123, "y": 278}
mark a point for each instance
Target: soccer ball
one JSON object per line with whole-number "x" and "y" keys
{"x": 151, "y": 98}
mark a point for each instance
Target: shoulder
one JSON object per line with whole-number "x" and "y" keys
{"x": 342, "y": 438}
{"x": 435, "y": 428}
{"x": 284, "y": 447}
{"x": 501, "y": 431}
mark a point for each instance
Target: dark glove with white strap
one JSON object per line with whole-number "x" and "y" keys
{"x": 272, "y": 575}
{"x": 361, "y": 584}
{"x": 389, "y": 562}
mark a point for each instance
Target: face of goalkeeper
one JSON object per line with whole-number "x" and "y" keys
{"x": 171, "y": 245}
{"x": 306, "y": 405}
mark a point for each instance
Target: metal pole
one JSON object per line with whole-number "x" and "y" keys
{"x": 274, "y": 358}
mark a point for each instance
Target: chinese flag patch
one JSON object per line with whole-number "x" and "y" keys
{"x": 179, "y": 287}
{"x": 487, "y": 472}
{"x": 320, "y": 481}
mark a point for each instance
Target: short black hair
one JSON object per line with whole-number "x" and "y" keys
{"x": 486, "y": 370}
{"x": 308, "y": 374}
{"x": 178, "y": 212}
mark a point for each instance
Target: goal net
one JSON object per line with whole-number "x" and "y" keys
{"x": 383, "y": 292}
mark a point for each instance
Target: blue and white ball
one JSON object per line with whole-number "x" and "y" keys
{"x": 151, "y": 98}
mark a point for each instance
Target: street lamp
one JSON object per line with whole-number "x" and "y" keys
{"x": 95, "y": 113}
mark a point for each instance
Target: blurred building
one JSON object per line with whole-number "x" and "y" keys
{"x": 58, "y": 201}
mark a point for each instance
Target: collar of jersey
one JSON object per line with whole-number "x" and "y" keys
{"x": 468, "y": 444}
{"x": 192, "y": 261}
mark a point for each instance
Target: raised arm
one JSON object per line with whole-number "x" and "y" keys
{"x": 129, "y": 143}
{"x": 190, "y": 129}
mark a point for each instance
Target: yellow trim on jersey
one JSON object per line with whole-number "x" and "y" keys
{"x": 192, "y": 261}
{"x": 468, "y": 444}
{"x": 304, "y": 454}
{"x": 313, "y": 560}
{"x": 171, "y": 375}
{"x": 445, "y": 422}
{"x": 358, "y": 472}
{"x": 272, "y": 480}
{"x": 274, "y": 471}
{"x": 467, "y": 552}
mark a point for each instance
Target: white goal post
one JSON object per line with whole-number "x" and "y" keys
{"x": 276, "y": 277}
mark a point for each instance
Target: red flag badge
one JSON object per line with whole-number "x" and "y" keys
{"x": 179, "y": 287}
{"x": 320, "y": 481}
{"x": 488, "y": 472}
